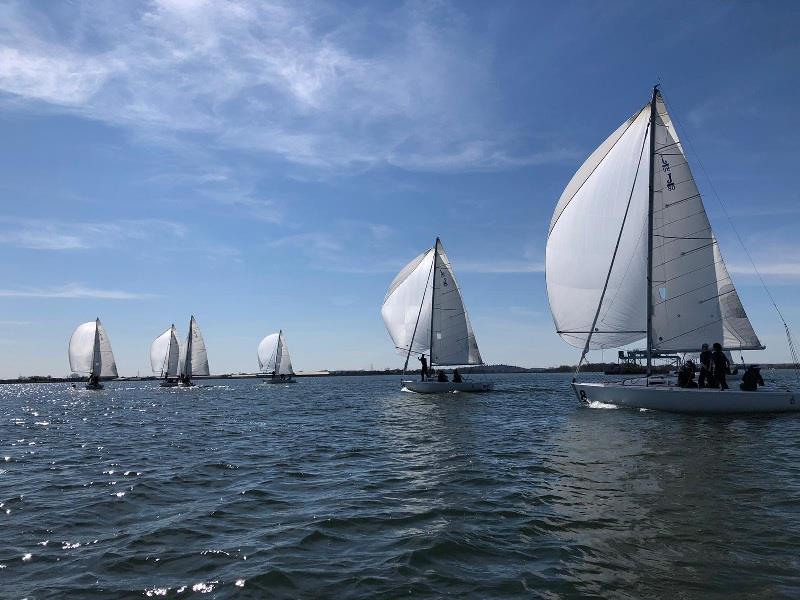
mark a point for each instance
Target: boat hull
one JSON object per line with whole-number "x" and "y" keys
{"x": 279, "y": 381}
{"x": 671, "y": 398}
{"x": 94, "y": 386}
{"x": 169, "y": 384}
{"x": 443, "y": 387}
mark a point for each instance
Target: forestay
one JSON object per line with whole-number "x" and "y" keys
{"x": 606, "y": 204}
{"x": 164, "y": 354}
{"x": 90, "y": 351}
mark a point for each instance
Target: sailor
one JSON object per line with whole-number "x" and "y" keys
{"x": 751, "y": 379}
{"x": 441, "y": 376}
{"x": 457, "y": 376}
{"x": 686, "y": 375}
{"x": 703, "y": 380}
{"x": 720, "y": 365}
{"x": 424, "y": 367}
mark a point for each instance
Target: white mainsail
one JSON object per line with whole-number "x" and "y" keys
{"x": 273, "y": 355}
{"x": 598, "y": 240}
{"x": 90, "y": 351}
{"x": 195, "y": 357}
{"x": 424, "y": 312}
{"x": 165, "y": 353}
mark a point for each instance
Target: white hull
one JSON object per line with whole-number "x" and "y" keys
{"x": 443, "y": 387}
{"x": 671, "y": 398}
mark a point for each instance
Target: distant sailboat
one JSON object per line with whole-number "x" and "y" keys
{"x": 631, "y": 255}
{"x": 90, "y": 353}
{"x": 195, "y": 359}
{"x": 424, "y": 313}
{"x": 165, "y": 356}
{"x": 274, "y": 360}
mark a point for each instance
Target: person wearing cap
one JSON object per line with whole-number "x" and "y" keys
{"x": 751, "y": 379}
{"x": 704, "y": 378}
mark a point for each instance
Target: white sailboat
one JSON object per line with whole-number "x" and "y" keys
{"x": 195, "y": 358}
{"x": 165, "y": 356}
{"x": 424, "y": 314}
{"x": 274, "y": 360}
{"x": 90, "y": 353}
{"x": 631, "y": 255}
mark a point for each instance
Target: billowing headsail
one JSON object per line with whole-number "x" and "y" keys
{"x": 195, "y": 357}
{"x": 424, "y": 312}
{"x": 273, "y": 355}
{"x": 165, "y": 353}
{"x": 599, "y": 238}
{"x": 90, "y": 351}
{"x": 610, "y": 187}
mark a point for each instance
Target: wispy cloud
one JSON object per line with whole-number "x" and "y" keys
{"x": 72, "y": 291}
{"x": 407, "y": 85}
{"x": 37, "y": 234}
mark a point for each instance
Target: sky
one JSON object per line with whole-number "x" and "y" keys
{"x": 266, "y": 165}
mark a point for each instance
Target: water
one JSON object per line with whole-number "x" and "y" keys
{"x": 347, "y": 487}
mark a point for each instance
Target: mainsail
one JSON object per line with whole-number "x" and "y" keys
{"x": 424, "y": 312}
{"x": 90, "y": 351}
{"x": 165, "y": 353}
{"x": 195, "y": 361}
{"x": 598, "y": 248}
{"x": 273, "y": 355}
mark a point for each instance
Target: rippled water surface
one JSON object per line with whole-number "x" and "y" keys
{"x": 347, "y": 487}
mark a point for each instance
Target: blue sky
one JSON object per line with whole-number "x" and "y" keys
{"x": 268, "y": 165}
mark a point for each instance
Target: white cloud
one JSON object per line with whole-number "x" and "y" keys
{"x": 295, "y": 80}
{"x": 72, "y": 291}
{"x": 38, "y": 234}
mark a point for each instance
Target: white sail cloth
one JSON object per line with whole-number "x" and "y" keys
{"x": 165, "y": 354}
{"x": 607, "y": 203}
{"x": 424, "y": 312}
{"x": 90, "y": 351}
{"x": 195, "y": 357}
{"x": 273, "y": 355}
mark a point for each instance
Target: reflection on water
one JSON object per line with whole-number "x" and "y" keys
{"x": 348, "y": 487}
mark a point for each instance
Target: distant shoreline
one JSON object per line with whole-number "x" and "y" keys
{"x": 487, "y": 369}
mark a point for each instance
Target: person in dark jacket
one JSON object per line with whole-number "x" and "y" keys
{"x": 720, "y": 365}
{"x": 704, "y": 379}
{"x": 424, "y": 367}
{"x": 457, "y": 376}
{"x": 686, "y": 375}
{"x": 441, "y": 376}
{"x": 751, "y": 379}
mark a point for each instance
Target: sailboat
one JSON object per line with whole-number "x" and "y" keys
{"x": 424, "y": 314}
{"x": 274, "y": 360}
{"x": 195, "y": 359}
{"x": 165, "y": 356}
{"x": 631, "y": 256}
{"x": 90, "y": 353}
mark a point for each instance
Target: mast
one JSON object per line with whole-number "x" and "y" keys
{"x": 433, "y": 294}
{"x": 650, "y": 194}
{"x": 187, "y": 362}
{"x": 278, "y": 350}
{"x": 96, "y": 357}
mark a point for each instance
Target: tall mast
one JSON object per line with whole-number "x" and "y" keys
{"x": 187, "y": 362}
{"x": 433, "y": 293}
{"x": 651, "y": 191}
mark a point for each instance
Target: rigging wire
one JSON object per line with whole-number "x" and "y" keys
{"x": 792, "y": 347}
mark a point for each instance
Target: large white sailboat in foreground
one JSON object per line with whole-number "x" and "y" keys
{"x": 424, "y": 313}
{"x": 631, "y": 255}
{"x": 165, "y": 354}
{"x": 274, "y": 360}
{"x": 195, "y": 359}
{"x": 90, "y": 354}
